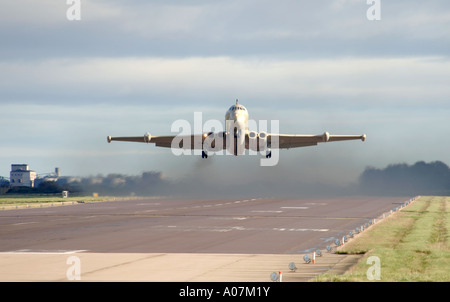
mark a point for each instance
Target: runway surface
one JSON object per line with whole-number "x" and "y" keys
{"x": 244, "y": 226}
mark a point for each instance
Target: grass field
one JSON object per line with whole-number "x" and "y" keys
{"x": 21, "y": 201}
{"x": 411, "y": 245}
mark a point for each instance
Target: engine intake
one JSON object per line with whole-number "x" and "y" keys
{"x": 253, "y": 140}
{"x": 262, "y": 142}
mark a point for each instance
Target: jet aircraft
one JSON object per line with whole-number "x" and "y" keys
{"x": 237, "y": 138}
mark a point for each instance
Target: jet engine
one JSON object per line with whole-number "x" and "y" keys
{"x": 253, "y": 140}
{"x": 262, "y": 142}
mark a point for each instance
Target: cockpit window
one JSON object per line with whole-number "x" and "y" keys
{"x": 234, "y": 107}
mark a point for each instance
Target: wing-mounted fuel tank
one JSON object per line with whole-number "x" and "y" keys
{"x": 147, "y": 137}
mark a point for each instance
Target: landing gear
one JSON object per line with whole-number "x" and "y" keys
{"x": 204, "y": 154}
{"x": 268, "y": 154}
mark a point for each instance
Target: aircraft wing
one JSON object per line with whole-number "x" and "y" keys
{"x": 286, "y": 141}
{"x": 281, "y": 141}
{"x": 182, "y": 142}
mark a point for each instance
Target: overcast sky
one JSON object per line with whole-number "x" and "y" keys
{"x": 131, "y": 67}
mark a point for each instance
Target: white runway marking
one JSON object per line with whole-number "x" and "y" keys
{"x": 267, "y": 211}
{"x": 228, "y": 218}
{"x": 23, "y": 223}
{"x": 295, "y": 208}
{"x": 236, "y": 228}
{"x": 44, "y": 252}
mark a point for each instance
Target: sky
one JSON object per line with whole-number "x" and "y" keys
{"x": 130, "y": 67}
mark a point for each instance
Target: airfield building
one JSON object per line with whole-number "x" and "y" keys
{"x": 22, "y": 176}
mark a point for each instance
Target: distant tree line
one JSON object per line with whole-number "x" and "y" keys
{"x": 397, "y": 179}
{"x": 420, "y": 178}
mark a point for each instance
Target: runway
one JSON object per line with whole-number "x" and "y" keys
{"x": 246, "y": 226}
{"x": 180, "y": 240}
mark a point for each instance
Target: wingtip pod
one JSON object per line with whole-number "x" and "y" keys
{"x": 363, "y": 137}
{"x": 108, "y": 139}
{"x": 147, "y": 137}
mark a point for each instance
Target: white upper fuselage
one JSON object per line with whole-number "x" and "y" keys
{"x": 236, "y": 124}
{"x": 236, "y": 118}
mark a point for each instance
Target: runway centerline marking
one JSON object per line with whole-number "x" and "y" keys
{"x": 23, "y": 223}
{"x": 295, "y": 208}
{"x": 236, "y": 228}
{"x": 268, "y": 211}
{"x": 228, "y": 218}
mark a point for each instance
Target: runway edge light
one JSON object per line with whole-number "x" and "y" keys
{"x": 292, "y": 266}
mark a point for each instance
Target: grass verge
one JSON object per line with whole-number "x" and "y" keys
{"x": 21, "y": 201}
{"x": 411, "y": 245}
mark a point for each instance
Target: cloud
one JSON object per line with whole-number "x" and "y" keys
{"x": 129, "y": 67}
{"x": 286, "y": 28}
{"x": 56, "y": 118}
{"x": 351, "y": 81}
